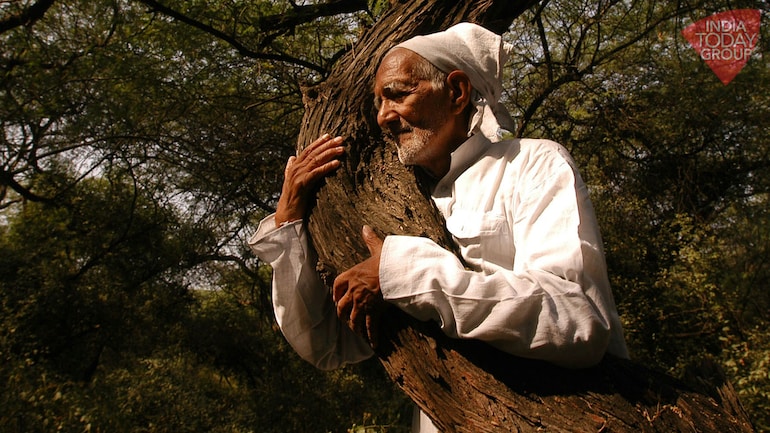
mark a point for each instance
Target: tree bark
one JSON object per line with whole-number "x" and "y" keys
{"x": 467, "y": 386}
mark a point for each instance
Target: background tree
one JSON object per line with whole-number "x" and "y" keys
{"x": 672, "y": 157}
{"x": 136, "y": 148}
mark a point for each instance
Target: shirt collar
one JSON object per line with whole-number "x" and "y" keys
{"x": 463, "y": 157}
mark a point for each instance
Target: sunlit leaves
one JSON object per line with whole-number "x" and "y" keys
{"x": 678, "y": 167}
{"x": 138, "y": 150}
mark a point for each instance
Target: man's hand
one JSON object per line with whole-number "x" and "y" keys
{"x": 357, "y": 291}
{"x": 302, "y": 174}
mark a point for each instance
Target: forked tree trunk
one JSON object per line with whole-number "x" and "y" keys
{"x": 467, "y": 386}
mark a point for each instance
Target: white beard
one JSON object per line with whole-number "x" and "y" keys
{"x": 413, "y": 148}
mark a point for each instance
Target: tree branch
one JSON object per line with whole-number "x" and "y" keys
{"x": 307, "y": 13}
{"x": 574, "y": 71}
{"x": 230, "y": 40}
{"x": 6, "y": 179}
{"x": 27, "y": 16}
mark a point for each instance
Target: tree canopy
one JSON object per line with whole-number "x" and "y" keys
{"x": 143, "y": 140}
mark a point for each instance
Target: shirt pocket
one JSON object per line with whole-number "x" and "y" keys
{"x": 484, "y": 238}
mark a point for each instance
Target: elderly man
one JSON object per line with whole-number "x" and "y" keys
{"x": 533, "y": 282}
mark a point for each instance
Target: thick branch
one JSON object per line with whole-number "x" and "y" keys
{"x": 306, "y": 13}
{"x": 26, "y": 17}
{"x": 7, "y": 179}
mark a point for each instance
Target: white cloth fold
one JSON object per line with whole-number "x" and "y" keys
{"x": 481, "y": 54}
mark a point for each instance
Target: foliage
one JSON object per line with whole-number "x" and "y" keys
{"x": 142, "y": 140}
{"x": 137, "y": 149}
{"x": 100, "y": 333}
{"x": 748, "y": 362}
{"x": 677, "y": 164}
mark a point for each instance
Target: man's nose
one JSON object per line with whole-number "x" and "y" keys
{"x": 386, "y": 114}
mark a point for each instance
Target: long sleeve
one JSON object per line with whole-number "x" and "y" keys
{"x": 303, "y": 306}
{"x": 537, "y": 284}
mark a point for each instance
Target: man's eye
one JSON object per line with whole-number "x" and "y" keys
{"x": 395, "y": 93}
{"x": 397, "y": 96}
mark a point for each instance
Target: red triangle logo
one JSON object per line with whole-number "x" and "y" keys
{"x": 725, "y": 40}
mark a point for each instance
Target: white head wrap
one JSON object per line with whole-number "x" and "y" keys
{"x": 481, "y": 54}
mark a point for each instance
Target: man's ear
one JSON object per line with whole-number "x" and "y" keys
{"x": 460, "y": 88}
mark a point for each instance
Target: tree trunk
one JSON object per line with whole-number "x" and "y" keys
{"x": 467, "y": 386}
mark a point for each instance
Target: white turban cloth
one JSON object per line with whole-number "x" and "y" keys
{"x": 481, "y": 54}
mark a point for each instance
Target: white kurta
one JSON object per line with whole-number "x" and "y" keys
{"x": 535, "y": 284}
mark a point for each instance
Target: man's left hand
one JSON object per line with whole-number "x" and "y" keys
{"x": 357, "y": 291}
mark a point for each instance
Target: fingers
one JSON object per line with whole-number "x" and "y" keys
{"x": 289, "y": 164}
{"x": 373, "y": 327}
{"x": 372, "y": 241}
{"x": 317, "y": 160}
{"x": 361, "y": 316}
{"x": 323, "y": 142}
{"x": 318, "y": 154}
{"x": 321, "y": 151}
{"x": 358, "y": 301}
{"x": 357, "y": 318}
{"x": 302, "y": 175}
{"x": 356, "y": 310}
{"x": 340, "y": 287}
{"x": 357, "y": 292}
{"x": 344, "y": 301}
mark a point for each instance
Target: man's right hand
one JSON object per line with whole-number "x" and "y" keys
{"x": 302, "y": 174}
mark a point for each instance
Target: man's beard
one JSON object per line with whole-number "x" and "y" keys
{"x": 414, "y": 147}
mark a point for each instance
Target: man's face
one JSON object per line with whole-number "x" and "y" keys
{"x": 412, "y": 112}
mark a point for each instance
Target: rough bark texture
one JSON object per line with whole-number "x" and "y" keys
{"x": 467, "y": 386}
